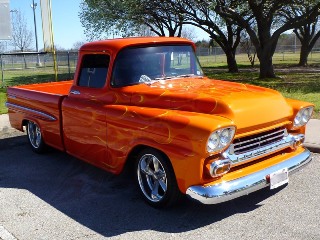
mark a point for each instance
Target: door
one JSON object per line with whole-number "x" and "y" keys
{"x": 83, "y": 115}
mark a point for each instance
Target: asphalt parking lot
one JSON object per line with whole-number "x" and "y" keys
{"x": 55, "y": 196}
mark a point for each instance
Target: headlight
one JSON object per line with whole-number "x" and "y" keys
{"x": 220, "y": 139}
{"x": 302, "y": 117}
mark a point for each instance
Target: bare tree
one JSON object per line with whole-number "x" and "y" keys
{"x": 247, "y": 45}
{"x": 2, "y": 47}
{"x": 189, "y": 33}
{"x": 77, "y": 45}
{"x": 21, "y": 35}
{"x": 59, "y": 48}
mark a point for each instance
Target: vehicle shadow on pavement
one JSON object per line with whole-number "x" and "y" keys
{"x": 107, "y": 204}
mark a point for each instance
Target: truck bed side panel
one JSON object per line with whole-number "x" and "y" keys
{"x": 57, "y": 88}
{"x": 40, "y": 107}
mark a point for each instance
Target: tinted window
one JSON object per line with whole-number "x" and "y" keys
{"x": 94, "y": 69}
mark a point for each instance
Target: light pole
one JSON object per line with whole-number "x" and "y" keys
{"x": 34, "y": 6}
{"x": 13, "y": 11}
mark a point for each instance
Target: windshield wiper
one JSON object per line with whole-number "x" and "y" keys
{"x": 145, "y": 79}
{"x": 186, "y": 75}
{"x": 162, "y": 78}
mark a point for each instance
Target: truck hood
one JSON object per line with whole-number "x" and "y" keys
{"x": 243, "y": 104}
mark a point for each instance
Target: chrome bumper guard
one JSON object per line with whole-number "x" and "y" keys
{"x": 226, "y": 191}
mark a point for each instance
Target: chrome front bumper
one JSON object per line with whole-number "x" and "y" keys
{"x": 226, "y": 191}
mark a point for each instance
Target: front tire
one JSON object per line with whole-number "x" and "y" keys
{"x": 35, "y": 137}
{"x": 156, "y": 179}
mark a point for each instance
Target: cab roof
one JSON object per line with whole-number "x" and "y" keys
{"x": 115, "y": 45}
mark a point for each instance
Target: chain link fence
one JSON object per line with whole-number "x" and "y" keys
{"x": 284, "y": 55}
{"x": 19, "y": 68}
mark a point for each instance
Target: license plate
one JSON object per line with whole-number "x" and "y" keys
{"x": 279, "y": 178}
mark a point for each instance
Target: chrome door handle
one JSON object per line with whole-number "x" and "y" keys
{"x": 76, "y": 92}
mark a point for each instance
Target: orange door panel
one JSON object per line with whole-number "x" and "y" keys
{"x": 84, "y": 127}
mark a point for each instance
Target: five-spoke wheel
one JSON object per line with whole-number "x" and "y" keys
{"x": 156, "y": 179}
{"x": 35, "y": 137}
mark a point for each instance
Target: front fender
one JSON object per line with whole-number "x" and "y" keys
{"x": 182, "y": 136}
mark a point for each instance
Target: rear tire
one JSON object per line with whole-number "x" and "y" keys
{"x": 35, "y": 137}
{"x": 156, "y": 179}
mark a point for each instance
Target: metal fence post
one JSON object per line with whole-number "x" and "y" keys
{"x": 69, "y": 67}
{"x": 2, "y": 76}
{"x": 215, "y": 54}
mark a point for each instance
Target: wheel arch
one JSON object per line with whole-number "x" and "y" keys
{"x": 132, "y": 157}
{"x": 24, "y": 123}
{"x": 164, "y": 197}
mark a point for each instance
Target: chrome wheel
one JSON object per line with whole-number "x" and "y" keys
{"x": 152, "y": 177}
{"x": 35, "y": 137}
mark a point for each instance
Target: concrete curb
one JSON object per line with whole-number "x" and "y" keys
{"x": 4, "y": 122}
{"x": 312, "y": 140}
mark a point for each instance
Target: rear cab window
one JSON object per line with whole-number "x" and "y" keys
{"x": 93, "y": 71}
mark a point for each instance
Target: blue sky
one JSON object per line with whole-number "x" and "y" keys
{"x": 67, "y": 28}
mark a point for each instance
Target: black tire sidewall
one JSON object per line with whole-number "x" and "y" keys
{"x": 42, "y": 145}
{"x": 172, "y": 193}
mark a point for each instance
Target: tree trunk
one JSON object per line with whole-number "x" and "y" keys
{"x": 266, "y": 68}
{"x": 171, "y": 32}
{"x": 232, "y": 62}
{"x": 304, "y": 53}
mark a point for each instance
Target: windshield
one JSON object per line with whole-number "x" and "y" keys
{"x": 149, "y": 64}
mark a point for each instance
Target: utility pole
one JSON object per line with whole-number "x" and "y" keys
{"x": 12, "y": 12}
{"x": 34, "y": 6}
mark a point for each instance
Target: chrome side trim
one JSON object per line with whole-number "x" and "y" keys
{"x": 17, "y": 107}
{"x": 287, "y": 141}
{"x": 226, "y": 191}
{"x": 76, "y": 92}
{"x": 12, "y": 96}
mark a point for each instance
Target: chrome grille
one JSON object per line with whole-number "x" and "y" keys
{"x": 250, "y": 143}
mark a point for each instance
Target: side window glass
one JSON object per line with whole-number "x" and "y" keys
{"x": 93, "y": 71}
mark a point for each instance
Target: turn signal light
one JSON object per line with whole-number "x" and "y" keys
{"x": 219, "y": 168}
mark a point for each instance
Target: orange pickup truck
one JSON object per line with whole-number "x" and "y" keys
{"x": 144, "y": 103}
